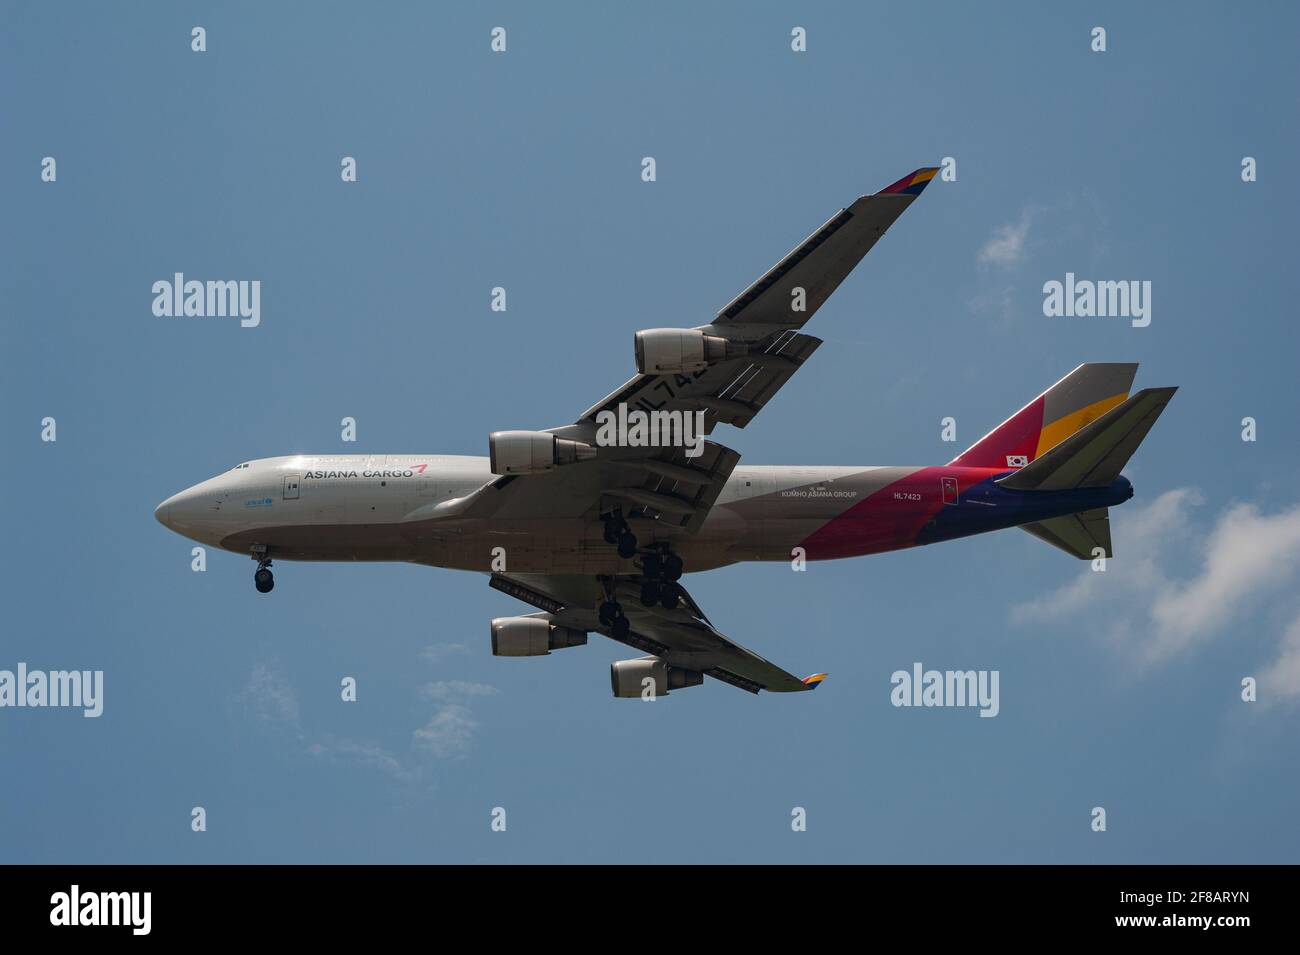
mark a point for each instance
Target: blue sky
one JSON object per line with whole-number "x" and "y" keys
{"x": 521, "y": 170}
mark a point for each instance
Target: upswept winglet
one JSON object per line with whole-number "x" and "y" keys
{"x": 814, "y": 681}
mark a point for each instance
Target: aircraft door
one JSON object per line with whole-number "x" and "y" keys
{"x": 948, "y": 485}
{"x": 290, "y": 487}
{"x": 429, "y": 485}
{"x": 752, "y": 504}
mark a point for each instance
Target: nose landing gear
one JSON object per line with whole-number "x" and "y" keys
{"x": 263, "y": 579}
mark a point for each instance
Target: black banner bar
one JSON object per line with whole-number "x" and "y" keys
{"x": 333, "y": 904}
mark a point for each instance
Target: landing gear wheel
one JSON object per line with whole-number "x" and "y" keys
{"x": 650, "y": 594}
{"x": 672, "y": 568}
{"x": 611, "y": 616}
{"x": 615, "y": 528}
{"x": 652, "y": 565}
{"x": 608, "y": 613}
{"x": 627, "y": 545}
{"x": 670, "y": 597}
{"x": 263, "y": 580}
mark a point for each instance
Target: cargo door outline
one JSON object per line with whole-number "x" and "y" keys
{"x": 765, "y": 524}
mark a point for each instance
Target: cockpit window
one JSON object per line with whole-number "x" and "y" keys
{"x": 239, "y": 467}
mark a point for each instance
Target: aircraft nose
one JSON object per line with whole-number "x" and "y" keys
{"x": 162, "y": 513}
{"x": 194, "y": 512}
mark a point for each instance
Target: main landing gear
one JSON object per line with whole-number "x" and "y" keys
{"x": 620, "y": 535}
{"x": 263, "y": 579}
{"x": 662, "y": 569}
{"x": 611, "y": 616}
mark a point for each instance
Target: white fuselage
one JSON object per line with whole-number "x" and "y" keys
{"x": 422, "y": 509}
{"x": 386, "y": 507}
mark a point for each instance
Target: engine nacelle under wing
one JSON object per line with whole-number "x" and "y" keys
{"x": 662, "y": 351}
{"x": 628, "y": 677}
{"x": 532, "y": 452}
{"x": 532, "y": 637}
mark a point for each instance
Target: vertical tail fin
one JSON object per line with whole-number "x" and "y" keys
{"x": 1078, "y": 399}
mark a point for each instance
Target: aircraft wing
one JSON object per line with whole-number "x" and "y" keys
{"x": 683, "y": 637}
{"x": 768, "y": 314}
{"x": 662, "y": 484}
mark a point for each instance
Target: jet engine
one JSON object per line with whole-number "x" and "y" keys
{"x": 532, "y": 637}
{"x": 531, "y": 452}
{"x": 627, "y": 677}
{"x": 668, "y": 350}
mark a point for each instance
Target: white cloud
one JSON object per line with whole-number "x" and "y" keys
{"x": 1142, "y": 536}
{"x": 1247, "y": 558}
{"x": 1246, "y": 555}
{"x": 998, "y": 302}
{"x": 1281, "y": 681}
{"x": 437, "y": 652}
{"x": 1006, "y": 248}
{"x": 455, "y": 690}
{"x": 450, "y": 731}
{"x": 271, "y": 702}
{"x": 269, "y": 698}
{"x": 368, "y": 754}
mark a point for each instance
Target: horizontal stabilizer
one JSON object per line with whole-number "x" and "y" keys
{"x": 1077, "y": 534}
{"x": 1094, "y": 455}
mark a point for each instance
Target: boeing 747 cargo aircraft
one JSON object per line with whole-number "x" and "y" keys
{"x": 594, "y": 523}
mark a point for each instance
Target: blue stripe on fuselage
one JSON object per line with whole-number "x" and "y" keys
{"x": 988, "y": 507}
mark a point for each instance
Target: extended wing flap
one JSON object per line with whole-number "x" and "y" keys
{"x": 682, "y": 637}
{"x": 692, "y": 643}
{"x": 729, "y": 392}
{"x": 745, "y": 395}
